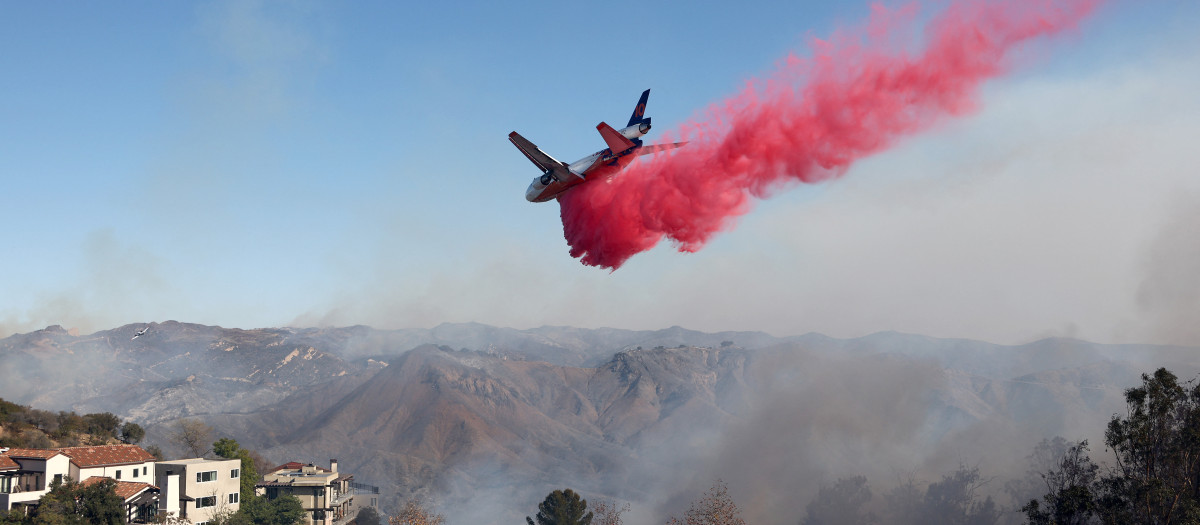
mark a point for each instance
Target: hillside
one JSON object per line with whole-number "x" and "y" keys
{"x": 491, "y": 416}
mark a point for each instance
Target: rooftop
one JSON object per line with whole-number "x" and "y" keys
{"x": 124, "y": 489}
{"x": 194, "y": 461}
{"x": 106, "y": 455}
{"x": 34, "y": 453}
{"x": 294, "y": 465}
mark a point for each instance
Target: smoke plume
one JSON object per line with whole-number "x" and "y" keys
{"x": 860, "y": 92}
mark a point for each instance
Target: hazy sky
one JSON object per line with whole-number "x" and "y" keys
{"x": 313, "y": 163}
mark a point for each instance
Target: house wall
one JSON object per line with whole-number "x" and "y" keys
{"x": 34, "y": 480}
{"x": 143, "y": 472}
{"x": 221, "y": 487}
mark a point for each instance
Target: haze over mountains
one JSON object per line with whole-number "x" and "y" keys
{"x": 487, "y": 420}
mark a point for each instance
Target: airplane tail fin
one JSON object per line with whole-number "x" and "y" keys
{"x": 639, "y": 111}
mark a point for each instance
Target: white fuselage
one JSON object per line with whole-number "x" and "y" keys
{"x": 546, "y": 187}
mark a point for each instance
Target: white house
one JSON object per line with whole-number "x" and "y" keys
{"x": 26, "y": 474}
{"x": 198, "y": 488}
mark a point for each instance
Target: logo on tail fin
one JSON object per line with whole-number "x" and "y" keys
{"x": 639, "y": 111}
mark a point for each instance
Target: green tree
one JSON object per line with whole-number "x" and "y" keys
{"x": 283, "y": 510}
{"x": 1047, "y": 456}
{"x": 1071, "y": 485}
{"x": 102, "y": 424}
{"x": 229, "y": 449}
{"x": 562, "y": 507}
{"x": 70, "y": 503}
{"x": 8, "y": 408}
{"x": 132, "y": 433}
{"x": 1157, "y": 451}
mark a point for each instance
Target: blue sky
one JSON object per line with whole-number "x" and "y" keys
{"x": 312, "y": 163}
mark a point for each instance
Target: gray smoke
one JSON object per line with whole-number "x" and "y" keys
{"x": 1169, "y": 295}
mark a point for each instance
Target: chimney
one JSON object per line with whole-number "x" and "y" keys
{"x": 333, "y": 465}
{"x": 168, "y": 495}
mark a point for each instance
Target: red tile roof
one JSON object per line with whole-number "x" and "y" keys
{"x": 106, "y": 455}
{"x": 6, "y": 463}
{"x": 34, "y": 453}
{"x": 289, "y": 466}
{"x": 124, "y": 489}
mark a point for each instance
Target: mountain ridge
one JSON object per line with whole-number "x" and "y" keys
{"x": 473, "y": 410}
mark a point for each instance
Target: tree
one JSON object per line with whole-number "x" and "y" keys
{"x": 132, "y": 433}
{"x": 904, "y": 501}
{"x": 714, "y": 508}
{"x": 1070, "y": 500}
{"x": 368, "y": 516}
{"x": 156, "y": 451}
{"x": 953, "y": 500}
{"x": 607, "y": 512}
{"x": 70, "y": 503}
{"x": 229, "y": 449}
{"x": 562, "y": 507}
{"x": 102, "y": 424}
{"x": 1157, "y": 452}
{"x": 41, "y": 419}
{"x": 841, "y": 503}
{"x": 283, "y": 510}
{"x": 415, "y": 512}
{"x": 192, "y": 435}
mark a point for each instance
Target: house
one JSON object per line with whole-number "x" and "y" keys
{"x": 27, "y": 474}
{"x": 198, "y": 488}
{"x": 327, "y": 495}
{"x": 141, "y": 499}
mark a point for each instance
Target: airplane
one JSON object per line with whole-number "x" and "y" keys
{"x": 623, "y": 146}
{"x": 140, "y": 333}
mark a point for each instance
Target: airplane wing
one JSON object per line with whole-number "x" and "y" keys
{"x": 615, "y": 140}
{"x": 538, "y": 157}
{"x": 655, "y": 148}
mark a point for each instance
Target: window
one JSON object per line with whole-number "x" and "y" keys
{"x": 57, "y": 479}
{"x": 205, "y": 502}
{"x": 202, "y": 477}
{"x": 118, "y": 474}
{"x": 235, "y": 472}
{"x": 233, "y": 497}
{"x": 135, "y": 472}
{"x": 143, "y": 471}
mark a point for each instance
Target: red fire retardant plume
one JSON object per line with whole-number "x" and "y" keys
{"x": 860, "y": 92}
